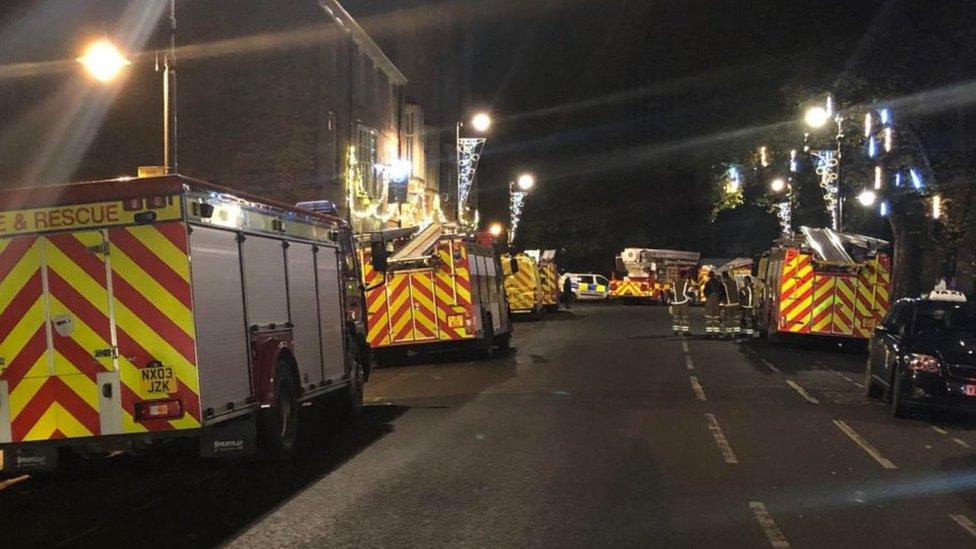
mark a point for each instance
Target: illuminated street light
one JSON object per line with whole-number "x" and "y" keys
{"x": 777, "y": 185}
{"x": 103, "y": 61}
{"x": 526, "y": 181}
{"x": 481, "y": 122}
{"x": 496, "y": 229}
{"x": 867, "y": 198}
{"x": 816, "y": 117}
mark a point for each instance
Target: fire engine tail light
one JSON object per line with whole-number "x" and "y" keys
{"x": 159, "y": 409}
{"x": 133, "y": 204}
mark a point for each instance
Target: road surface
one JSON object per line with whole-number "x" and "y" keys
{"x": 600, "y": 429}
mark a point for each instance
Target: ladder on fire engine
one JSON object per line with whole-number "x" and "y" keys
{"x": 419, "y": 249}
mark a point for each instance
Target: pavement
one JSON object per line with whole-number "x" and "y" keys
{"x": 599, "y": 429}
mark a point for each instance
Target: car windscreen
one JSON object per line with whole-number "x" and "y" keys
{"x": 945, "y": 319}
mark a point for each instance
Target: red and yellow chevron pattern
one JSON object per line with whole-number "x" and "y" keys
{"x": 550, "y": 284}
{"x": 523, "y": 288}
{"x": 796, "y": 292}
{"x": 833, "y": 304}
{"x": 59, "y": 295}
{"x": 628, "y": 288}
{"x": 421, "y": 305}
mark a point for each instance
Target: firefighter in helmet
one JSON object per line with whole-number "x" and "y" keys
{"x": 730, "y": 306}
{"x": 680, "y": 294}
{"x": 713, "y": 295}
{"x": 748, "y": 297}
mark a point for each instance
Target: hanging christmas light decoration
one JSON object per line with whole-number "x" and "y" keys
{"x": 868, "y": 124}
{"x": 827, "y": 170}
{"x": 872, "y": 147}
{"x": 883, "y": 208}
{"x": 784, "y": 212}
{"x": 888, "y": 139}
{"x": 469, "y": 153}
{"x": 916, "y": 179}
{"x": 794, "y": 165}
{"x": 885, "y": 115}
{"x": 763, "y": 156}
{"x": 733, "y": 181}
{"x": 936, "y": 206}
{"x": 877, "y": 178}
{"x": 898, "y": 179}
{"x": 516, "y": 205}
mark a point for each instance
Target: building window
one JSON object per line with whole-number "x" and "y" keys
{"x": 366, "y": 154}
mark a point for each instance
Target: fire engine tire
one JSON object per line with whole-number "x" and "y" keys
{"x": 351, "y": 402}
{"x": 278, "y": 425}
{"x": 504, "y": 341}
{"x": 486, "y": 345}
{"x": 386, "y": 358}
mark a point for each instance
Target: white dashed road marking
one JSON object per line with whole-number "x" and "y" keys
{"x": 770, "y": 365}
{"x": 960, "y": 442}
{"x": 11, "y": 481}
{"x": 803, "y": 392}
{"x": 965, "y": 523}
{"x": 688, "y": 363}
{"x": 775, "y": 535}
{"x": 865, "y": 445}
{"x": 684, "y": 347}
{"x": 939, "y": 430}
{"x": 720, "y": 440}
{"x": 957, "y": 440}
{"x": 697, "y": 388}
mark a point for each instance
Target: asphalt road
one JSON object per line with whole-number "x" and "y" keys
{"x": 599, "y": 429}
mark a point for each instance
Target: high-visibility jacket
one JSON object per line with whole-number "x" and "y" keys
{"x": 747, "y": 296}
{"x": 730, "y": 292}
{"x": 682, "y": 291}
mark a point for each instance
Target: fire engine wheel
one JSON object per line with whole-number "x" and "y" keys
{"x": 351, "y": 405}
{"x": 486, "y": 345}
{"x": 278, "y": 425}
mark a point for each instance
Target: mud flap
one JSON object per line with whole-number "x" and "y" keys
{"x": 230, "y": 439}
{"x": 28, "y": 459}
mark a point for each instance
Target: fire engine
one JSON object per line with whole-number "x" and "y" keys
{"x": 823, "y": 282}
{"x": 649, "y": 273}
{"x": 523, "y": 284}
{"x": 433, "y": 288}
{"x": 549, "y": 277}
{"x": 133, "y": 311}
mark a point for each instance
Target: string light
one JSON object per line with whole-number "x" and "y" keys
{"x": 868, "y": 123}
{"x": 936, "y": 206}
{"x": 898, "y": 179}
{"x": 872, "y": 147}
{"x": 877, "y": 178}
{"x": 885, "y": 116}
{"x": 916, "y": 178}
{"x": 883, "y": 208}
{"x": 763, "y": 156}
{"x": 888, "y": 139}
{"x": 793, "y": 163}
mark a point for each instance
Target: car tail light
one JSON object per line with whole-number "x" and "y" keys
{"x": 159, "y": 409}
{"x": 923, "y": 363}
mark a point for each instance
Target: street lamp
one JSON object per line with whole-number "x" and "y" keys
{"x": 525, "y": 182}
{"x": 468, "y": 153}
{"x": 867, "y": 198}
{"x": 816, "y": 117}
{"x": 103, "y": 61}
{"x": 777, "y": 185}
{"x": 495, "y": 229}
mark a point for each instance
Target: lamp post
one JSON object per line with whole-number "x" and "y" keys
{"x": 829, "y": 170}
{"x": 468, "y": 153}
{"x": 518, "y": 189}
{"x": 104, "y": 62}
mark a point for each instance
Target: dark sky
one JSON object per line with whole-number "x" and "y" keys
{"x": 620, "y": 106}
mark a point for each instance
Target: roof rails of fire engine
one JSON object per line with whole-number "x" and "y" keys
{"x": 388, "y": 235}
{"x": 420, "y": 248}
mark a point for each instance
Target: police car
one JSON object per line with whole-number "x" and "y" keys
{"x": 924, "y": 354}
{"x": 587, "y": 286}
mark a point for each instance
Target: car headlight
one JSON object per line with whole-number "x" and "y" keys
{"x": 923, "y": 363}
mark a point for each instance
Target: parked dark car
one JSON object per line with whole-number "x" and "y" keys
{"x": 924, "y": 353}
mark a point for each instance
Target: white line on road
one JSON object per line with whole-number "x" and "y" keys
{"x": 865, "y": 445}
{"x": 720, "y": 440}
{"x": 939, "y": 430}
{"x": 775, "y": 535}
{"x": 960, "y": 442}
{"x": 803, "y": 392}
{"x": 967, "y": 525}
{"x": 957, "y": 440}
{"x": 11, "y": 481}
{"x": 770, "y": 365}
{"x": 688, "y": 363}
{"x": 684, "y": 347}
{"x": 840, "y": 375}
{"x": 697, "y": 388}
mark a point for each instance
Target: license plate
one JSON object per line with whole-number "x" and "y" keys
{"x": 969, "y": 390}
{"x": 158, "y": 381}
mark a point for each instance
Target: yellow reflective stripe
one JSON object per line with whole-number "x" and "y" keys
{"x": 81, "y": 385}
{"x": 93, "y": 291}
{"x": 28, "y": 387}
{"x": 163, "y": 248}
{"x": 23, "y": 331}
{"x": 45, "y": 426}
{"x": 153, "y": 291}
{"x": 146, "y": 337}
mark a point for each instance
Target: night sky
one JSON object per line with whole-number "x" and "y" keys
{"x": 624, "y": 108}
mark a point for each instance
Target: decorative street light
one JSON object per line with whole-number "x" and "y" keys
{"x": 867, "y": 198}
{"x": 816, "y": 117}
{"x": 828, "y": 161}
{"x": 104, "y": 62}
{"x": 778, "y": 185}
{"x": 468, "y": 154}
{"x": 518, "y": 189}
{"x": 495, "y": 229}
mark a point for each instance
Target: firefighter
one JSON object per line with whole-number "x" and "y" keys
{"x": 713, "y": 295}
{"x": 681, "y": 292}
{"x": 747, "y": 301}
{"x": 730, "y": 306}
